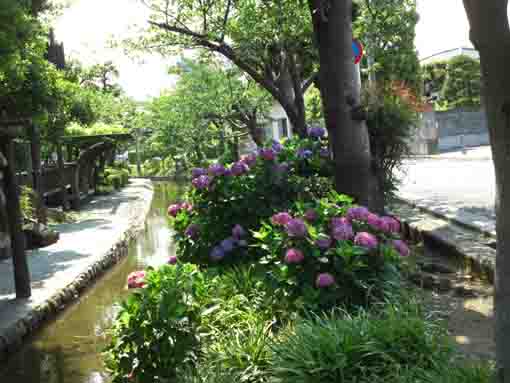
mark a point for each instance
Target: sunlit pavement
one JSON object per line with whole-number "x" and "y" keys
{"x": 456, "y": 184}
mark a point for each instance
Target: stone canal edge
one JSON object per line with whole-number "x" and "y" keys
{"x": 26, "y": 317}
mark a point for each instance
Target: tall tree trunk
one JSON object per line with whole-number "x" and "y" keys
{"x": 490, "y": 33}
{"x": 349, "y": 137}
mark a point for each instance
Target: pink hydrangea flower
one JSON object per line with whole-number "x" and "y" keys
{"x": 281, "y": 219}
{"x": 172, "y": 260}
{"x": 358, "y": 213}
{"x": 186, "y": 206}
{"x": 250, "y": 159}
{"x": 374, "y": 220}
{"x": 324, "y": 280}
{"x": 201, "y": 182}
{"x": 268, "y": 154}
{"x": 136, "y": 279}
{"x": 174, "y": 209}
{"x": 296, "y": 228}
{"x": 294, "y": 256}
{"x": 389, "y": 225}
{"x": 366, "y": 240}
{"x": 311, "y": 215}
{"x": 401, "y": 247}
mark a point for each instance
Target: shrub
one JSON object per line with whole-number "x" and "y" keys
{"x": 362, "y": 348}
{"x": 243, "y": 194}
{"x": 331, "y": 253}
{"x": 157, "y": 329}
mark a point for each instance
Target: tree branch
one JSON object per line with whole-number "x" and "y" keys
{"x": 225, "y": 20}
{"x": 308, "y": 83}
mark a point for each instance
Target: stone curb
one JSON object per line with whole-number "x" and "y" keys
{"x": 456, "y": 240}
{"x": 453, "y": 220}
{"x": 11, "y": 338}
{"x": 449, "y": 158}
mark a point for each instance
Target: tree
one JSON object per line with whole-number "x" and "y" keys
{"x": 387, "y": 29}
{"x": 332, "y": 21}
{"x": 456, "y": 81}
{"x": 271, "y": 41}
{"x": 490, "y": 34}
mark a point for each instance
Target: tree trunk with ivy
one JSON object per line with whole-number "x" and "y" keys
{"x": 490, "y": 34}
{"x": 344, "y": 118}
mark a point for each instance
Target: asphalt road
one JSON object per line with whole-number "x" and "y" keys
{"x": 457, "y": 185}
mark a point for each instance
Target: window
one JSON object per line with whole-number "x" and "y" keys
{"x": 283, "y": 129}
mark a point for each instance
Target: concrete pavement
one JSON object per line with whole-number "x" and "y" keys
{"x": 456, "y": 185}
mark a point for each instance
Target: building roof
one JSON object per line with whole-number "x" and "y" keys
{"x": 450, "y": 53}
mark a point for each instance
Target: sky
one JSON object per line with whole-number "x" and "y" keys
{"x": 87, "y": 25}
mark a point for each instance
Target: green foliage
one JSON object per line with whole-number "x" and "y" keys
{"x": 456, "y": 81}
{"x": 157, "y": 329}
{"x": 26, "y": 201}
{"x": 387, "y": 29}
{"x": 246, "y": 199}
{"x": 395, "y": 346}
{"x": 391, "y": 123}
{"x": 115, "y": 177}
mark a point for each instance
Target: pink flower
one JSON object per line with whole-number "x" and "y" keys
{"x": 373, "y": 220}
{"x": 186, "y": 206}
{"x": 268, "y": 154}
{"x": 294, "y": 256}
{"x": 311, "y": 215}
{"x": 250, "y": 159}
{"x": 324, "y": 280}
{"x": 281, "y": 219}
{"x": 172, "y": 260}
{"x": 401, "y": 247}
{"x": 389, "y": 225}
{"x": 136, "y": 279}
{"x": 296, "y": 228}
{"x": 358, "y": 213}
{"x": 366, "y": 240}
{"x": 174, "y": 209}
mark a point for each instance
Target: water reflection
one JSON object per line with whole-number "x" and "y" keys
{"x": 69, "y": 349}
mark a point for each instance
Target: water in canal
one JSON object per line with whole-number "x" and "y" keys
{"x": 68, "y": 350}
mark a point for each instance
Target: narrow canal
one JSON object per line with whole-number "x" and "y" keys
{"x": 68, "y": 350}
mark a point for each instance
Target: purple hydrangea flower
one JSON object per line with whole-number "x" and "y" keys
{"x": 374, "y": 220}
{"x": 238, "y": 232}
{"x": 401, "y": 247}
{"x": 239, "y": 168}
{"x": 341, "y": 229}
{"x": 324, "y": 153}
{"x": 277, "y": 147}
{"x": 296, "y": 228}
{"x": 324, "y": 242}
{"x": 304, "y": 153}
{"x": 217, "y": 254}
{"x": 192, "y": 231}
{"x": 281, "y": 219}
{"x": 174, "y": 209}
{"x": 317, "y": 132}
{"x": 324, "y": 280}
{"x": 294, "y": 256}
{"x": 389, "y": 225}
{"x": 216, "y": 170}
{"x": 228, "y": 244}
{"x": 228, "y": 172}
{"x": 172, "y": 260}
{"x": 201, "y": 182}
{"x": 366, "y": 240}
{"x": 268, "y": 154}
{"x": 359, "y": 213}
{"x": 197, "y": 172}
{"x": 311, "y": 215}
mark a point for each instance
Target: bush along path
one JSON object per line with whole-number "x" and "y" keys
{"x": 279, "y": 279}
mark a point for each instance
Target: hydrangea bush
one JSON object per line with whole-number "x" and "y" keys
{"x": 227, "y": 202}
{"x": 331, "y": 252}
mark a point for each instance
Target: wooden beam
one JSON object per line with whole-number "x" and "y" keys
{"x": 21, "y": 272}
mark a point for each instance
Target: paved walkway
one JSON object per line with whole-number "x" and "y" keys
{"x": 102, "y": 224}
{"x": 455, "y": 185}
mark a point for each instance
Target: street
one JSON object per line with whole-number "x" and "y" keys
{"x": 457, "y": 185}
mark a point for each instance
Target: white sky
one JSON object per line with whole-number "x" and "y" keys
{"x": 88, "y": 25}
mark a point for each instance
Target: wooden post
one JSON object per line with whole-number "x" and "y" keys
{"x": 21, "y": 272}
{"x": 35, "y": 151}
{"x": 61, "y": 176}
